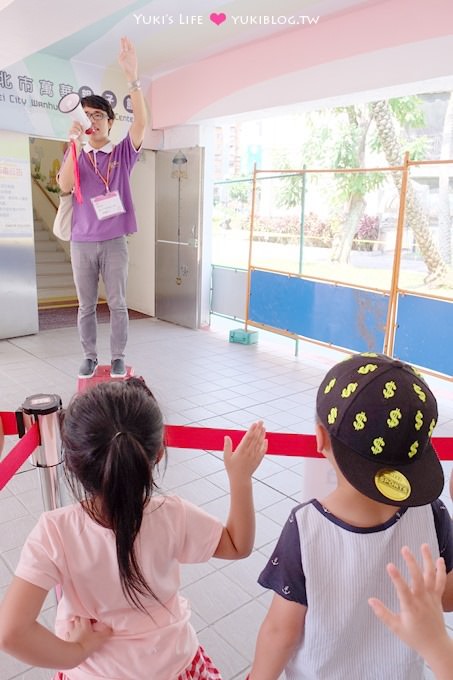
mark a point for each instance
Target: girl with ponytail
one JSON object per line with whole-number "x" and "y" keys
{"x": 116, "y": 552}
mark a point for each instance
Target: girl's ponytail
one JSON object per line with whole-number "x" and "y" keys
{"x": 126, "y": 486}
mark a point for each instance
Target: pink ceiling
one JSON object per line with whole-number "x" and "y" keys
{"x": 389, "y": 29}
{"x": 207, "y": 71}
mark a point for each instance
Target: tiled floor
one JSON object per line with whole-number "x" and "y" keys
{"x": 199, "y": 378}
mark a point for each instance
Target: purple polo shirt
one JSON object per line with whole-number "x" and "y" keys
{"x": 85, "y": 224}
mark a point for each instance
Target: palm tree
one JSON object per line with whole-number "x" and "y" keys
{"x": 416, "y": 217}
{"x": 444, "y": 184}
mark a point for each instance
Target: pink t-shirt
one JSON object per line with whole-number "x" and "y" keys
{"x": 66, "y": 547}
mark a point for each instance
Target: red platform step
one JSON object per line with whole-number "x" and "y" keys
{"x": 102, "y": 374}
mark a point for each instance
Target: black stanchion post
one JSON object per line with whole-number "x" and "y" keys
{"x": 44, "y": 408}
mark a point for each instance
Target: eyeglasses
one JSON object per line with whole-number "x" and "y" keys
{"x": 97, "y": 115}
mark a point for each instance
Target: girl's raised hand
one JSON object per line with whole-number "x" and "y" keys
{"x": 242, "y": 463}
{"x": 238, "y": 534}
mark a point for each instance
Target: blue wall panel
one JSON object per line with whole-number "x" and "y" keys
{"x": 424, "y": 335}
{"x": 339, "y": 315}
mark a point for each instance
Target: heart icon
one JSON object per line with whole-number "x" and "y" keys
{"x": 217, "y": 19}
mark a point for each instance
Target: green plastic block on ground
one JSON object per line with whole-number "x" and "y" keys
{"x": 243, "y": 336}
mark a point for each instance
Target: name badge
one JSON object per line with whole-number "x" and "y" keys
{"x": 108, "y": 205}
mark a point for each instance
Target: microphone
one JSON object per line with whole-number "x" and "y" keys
{"x": 71, "y": 104}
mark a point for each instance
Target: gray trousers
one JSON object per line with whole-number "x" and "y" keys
{"x": 110, "y": 260}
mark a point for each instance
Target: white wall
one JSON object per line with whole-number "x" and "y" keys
{"x": 141, "y": 283}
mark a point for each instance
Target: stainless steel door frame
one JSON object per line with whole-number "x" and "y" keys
{"x": 179, "y": 189}
{"x": 18, "y": 294}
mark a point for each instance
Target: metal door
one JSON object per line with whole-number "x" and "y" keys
{"x": 18, "y": 295}
{"x": 178, "y": 227}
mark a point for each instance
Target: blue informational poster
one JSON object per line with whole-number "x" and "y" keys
{"x": 335, "y": 314}
{"x": 424, "y": 334}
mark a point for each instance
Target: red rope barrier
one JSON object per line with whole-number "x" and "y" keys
{"x": 19, "y": 454}
{"x": 180, "y": 436}
{"x": 9, "y": 422}
{"x": 280, "y": 443}
{"x": 444, "y": 447}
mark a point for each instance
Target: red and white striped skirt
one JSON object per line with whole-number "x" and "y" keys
{"x": 201, "y": 668}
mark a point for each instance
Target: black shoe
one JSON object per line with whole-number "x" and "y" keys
{"x": 118, "y": 369}
{"x": 88, "y": 368}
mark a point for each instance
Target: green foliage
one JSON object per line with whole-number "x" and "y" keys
{"x": 337, "y": 141}
{"x": 241, "y": 191}
{"x": 408, "y": 111}
{"x": 347, "y": 149}
{"x": 289, "y": 188}
{"x": 409, "y": 115}
{"x": 347, "y": 156}
{"x": 418, "y": 147}
{"x": 290, "y": 191}
{"x": 358, "y": 183}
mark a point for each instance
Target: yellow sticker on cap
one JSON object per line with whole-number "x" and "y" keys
{"x": 393, "y": 485}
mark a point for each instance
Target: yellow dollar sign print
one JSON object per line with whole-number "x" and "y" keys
{"x": 331, "y": 418}
{"x": 329, "y": 385}
{"x": 348, "y": 390}
{"x": 394, "y": 418}
{"x": 413, "y": 450}
{"x": 416, "y": 372}
{"x": 432, "y": 425}
{"x": 419, "y": 392}
{"x": 418, "y": 420}
{"x": 360, "y": 420}
{"x": 378, "y": 445}
{"x": 389, "y": 389}
{"x": 368, "y": 368}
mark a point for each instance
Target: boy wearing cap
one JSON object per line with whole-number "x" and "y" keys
{"x": 375, "y": 418}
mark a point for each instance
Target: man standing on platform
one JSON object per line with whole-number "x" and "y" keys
{"x": 101, "y": 223}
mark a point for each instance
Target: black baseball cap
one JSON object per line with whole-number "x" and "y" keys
{"x": 380, "y": 415}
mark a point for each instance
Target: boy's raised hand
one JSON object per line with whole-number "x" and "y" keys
{"x": 242, "y": 463}
{"x": 420, "y": 623}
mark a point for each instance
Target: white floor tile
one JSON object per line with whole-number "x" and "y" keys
{"x": 241, "y": 627}
{"x": 225, "y": 657}
{"x": 245, "y": 572}
{"x": 215, "y": 596}
{"x": 198, "y": 491}
{"x": 10, "y": 508}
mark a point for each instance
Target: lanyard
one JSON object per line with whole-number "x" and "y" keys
{"x": 105, "y": 180}
{"x": 77, "y": 191}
